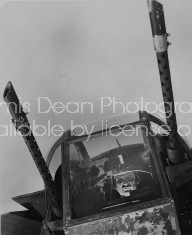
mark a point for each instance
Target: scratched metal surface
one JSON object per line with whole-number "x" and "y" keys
{"x": 159, "y": 220}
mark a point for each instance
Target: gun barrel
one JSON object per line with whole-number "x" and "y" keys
{"x": 161, "y": 44}
{"x": 12, "y": 101}
{"x": 22, "y": 124}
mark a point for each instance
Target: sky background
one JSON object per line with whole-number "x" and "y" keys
{"x": 82, "y": 51}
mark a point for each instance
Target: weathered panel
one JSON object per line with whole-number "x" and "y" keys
{"x": 159, "y": 220}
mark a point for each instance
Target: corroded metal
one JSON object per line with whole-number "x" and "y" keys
{"x": 155, "y": 220}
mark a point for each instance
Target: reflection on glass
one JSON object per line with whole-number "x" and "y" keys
{"x": 111, "y": 171}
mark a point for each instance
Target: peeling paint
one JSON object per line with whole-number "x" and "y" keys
{"x": 159, "y": 220}
{"x": 173, "y": 224}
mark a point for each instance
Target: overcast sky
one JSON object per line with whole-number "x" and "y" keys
{"x": 81, "y": 51}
